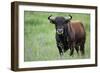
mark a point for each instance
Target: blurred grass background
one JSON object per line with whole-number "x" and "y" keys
{"x": 39, "y": 36}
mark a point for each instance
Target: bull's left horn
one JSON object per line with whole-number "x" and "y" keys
{"x": 68, "y": 18}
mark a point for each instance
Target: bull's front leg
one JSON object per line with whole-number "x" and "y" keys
{"x": 60, "y": 48}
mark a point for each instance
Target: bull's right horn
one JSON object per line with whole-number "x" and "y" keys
{"x": 51, "y": 18}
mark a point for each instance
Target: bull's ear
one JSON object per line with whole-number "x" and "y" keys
{"x": 51, "y": 19}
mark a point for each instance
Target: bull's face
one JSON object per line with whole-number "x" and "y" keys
{"x": 59, "y": 23}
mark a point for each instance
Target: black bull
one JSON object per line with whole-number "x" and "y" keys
{"x": 69, "y": 35}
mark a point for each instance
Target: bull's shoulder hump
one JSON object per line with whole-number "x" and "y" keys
{"x": 76, "y": 21}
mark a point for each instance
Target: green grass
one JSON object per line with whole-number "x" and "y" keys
{"x": 39, "y": 36}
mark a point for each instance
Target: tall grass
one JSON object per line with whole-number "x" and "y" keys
{"x": 39, "y": 36}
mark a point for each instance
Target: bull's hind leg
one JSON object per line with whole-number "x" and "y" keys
{"x": 72, "y": 49}
{"x": 82, "y": 48}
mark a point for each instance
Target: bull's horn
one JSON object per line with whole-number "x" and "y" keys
{"x": 68, "y": 18}
{"x": 51, "y": 18}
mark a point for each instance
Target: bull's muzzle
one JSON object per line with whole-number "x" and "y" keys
{"x": 59, "y": 31}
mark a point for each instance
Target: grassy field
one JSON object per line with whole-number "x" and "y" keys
{"x": 39, "y": 36}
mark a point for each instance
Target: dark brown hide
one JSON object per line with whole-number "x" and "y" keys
{"x": 76, "y": 36}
